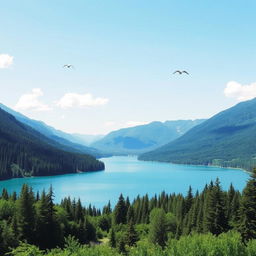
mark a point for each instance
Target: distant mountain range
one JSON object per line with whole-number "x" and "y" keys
{"x": 142, "y": 138}
{"x": 226, "y": 139}
{"x": 69, "y": 142}
{"x": 85, "y": 139}
{"x": 27, "y": 152}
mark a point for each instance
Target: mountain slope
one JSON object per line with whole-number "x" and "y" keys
{"x": 86, "y": 139}
{"x": 26, "y": 152}
{"x": 226, "y": 139}
{"x": 66, "y": 141}
{"x": 142, "y": 138}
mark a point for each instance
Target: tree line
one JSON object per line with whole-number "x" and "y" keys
{"x": 26, "y": 152}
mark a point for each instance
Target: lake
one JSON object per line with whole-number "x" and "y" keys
{"x": 131, "y": 177}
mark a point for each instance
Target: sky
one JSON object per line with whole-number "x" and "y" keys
{"x": 124, "y": 54}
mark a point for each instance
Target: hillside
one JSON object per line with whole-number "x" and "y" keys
{"x": 226, "y": 139}
{"x": 142, "y": 138}
{"x": 68, "y": 142}
{"x": 26, "y": 152}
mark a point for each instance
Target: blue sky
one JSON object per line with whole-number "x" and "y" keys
{"x": 124, "y": 53}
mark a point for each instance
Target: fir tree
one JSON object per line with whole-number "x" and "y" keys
{"x": 157, "y": 230}
{"x": 248, "y": 210}
{"x": 112, "y": 239}
{"x": 26, "y": 215}
{"x": 215, "y": 216}
{"x": 131, "y": 234}
{"x": 120, "y": 211}
{"x": 130, "y": 214}
{"x": 188, "y": 200}
{"x": 121, "y": 246}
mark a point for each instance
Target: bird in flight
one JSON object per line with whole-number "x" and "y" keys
{"x": 68, "y": 66}
{"x": 181, "y": 72}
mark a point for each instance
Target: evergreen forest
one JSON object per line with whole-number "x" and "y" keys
{"x": 210, "y": 222}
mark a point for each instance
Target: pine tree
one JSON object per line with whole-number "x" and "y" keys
{"x": 130, "y": 214}
{"x": 48, "y": 230}
{"x": 121, "y": 246}
{"x": 215, "y": 216}
{"x": 157, "y": 229}
{"x": 145, "y": 211}
{"x": 79, "y": 211}
{"x": 14, "y": 196}
{"x": 230, "y": 195}
{"x": 14, "y": 227}
{"x": 107, "y": 209}
{"x": 5, "y": 195}
{"x": 90, "y": 231}
{"x": 248, "y": 210}
{"x": 131, "y": 234}
{"x": 112, "y": 239}
{"x": 26, "y": 215}
{"x": 188, "y": 200}
{"x": 234, "y": 211}
{"x": 120, "y": 211}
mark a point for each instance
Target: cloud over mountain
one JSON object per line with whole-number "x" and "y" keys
{"x": 30, "y": 101}
{"x": 239, "y": 91}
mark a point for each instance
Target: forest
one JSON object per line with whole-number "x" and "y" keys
{"x": 26, "y": 152}
{"x": 212, "y": 222}
{"x": 215, "y": 141}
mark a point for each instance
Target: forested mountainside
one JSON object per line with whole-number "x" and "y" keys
{"x": 26, "y": 152}
{"x": 226, "y": 139}
{"x": 67, "y": 141}
{"x": 142, "y": 138}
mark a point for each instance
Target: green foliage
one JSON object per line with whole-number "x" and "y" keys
{"x": 215, "y": 217}
{"x": 226, "y": 244}
{"x": 204, "y": 245}
{"x": 227, "y": 139}
{"x": 26, "y": 152}
{"x": 248, "y": 210}
{"x": 120, "y": 211}
{"x": 26, "y": 215}
{"x": 112, "y": 238}
{"x": 157, "y": 228}
{"x": 26, "y": 250}
{"x": 71, "y": 244}
{"x": 131, "y": 234}
{"x": 196, "y": 224}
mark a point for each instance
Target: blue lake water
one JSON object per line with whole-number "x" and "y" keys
{"x": 131, "y": 177}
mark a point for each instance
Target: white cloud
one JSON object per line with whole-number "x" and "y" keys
{"x": 240, "y": 92}
{"x": 70, "y": 100}
{"x": 5, "y": 60}
{"x": 30, "y": 101}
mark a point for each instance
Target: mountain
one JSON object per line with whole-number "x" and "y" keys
{"x": 226, "y": 139}
{"x": 86, "y": 139}
{"x": 142, "y": 138}
{"x": 67, "y": 141}
{"x": 26, "y": 152}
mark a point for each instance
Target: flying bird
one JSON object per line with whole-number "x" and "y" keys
{"x": 180, "y": 72}
{"x": 68, "y": 66}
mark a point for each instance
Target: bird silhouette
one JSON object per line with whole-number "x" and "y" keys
{"x": 180, "y": 72}
{"x": 68, "y": 66}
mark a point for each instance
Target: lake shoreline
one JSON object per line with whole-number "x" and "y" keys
{"x": 200, "y": 165}
{"x": 131, "y": 177}
{"x": 54, "y": 175}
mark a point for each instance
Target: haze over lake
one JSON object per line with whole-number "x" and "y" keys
{"x": 131, "y": 177}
